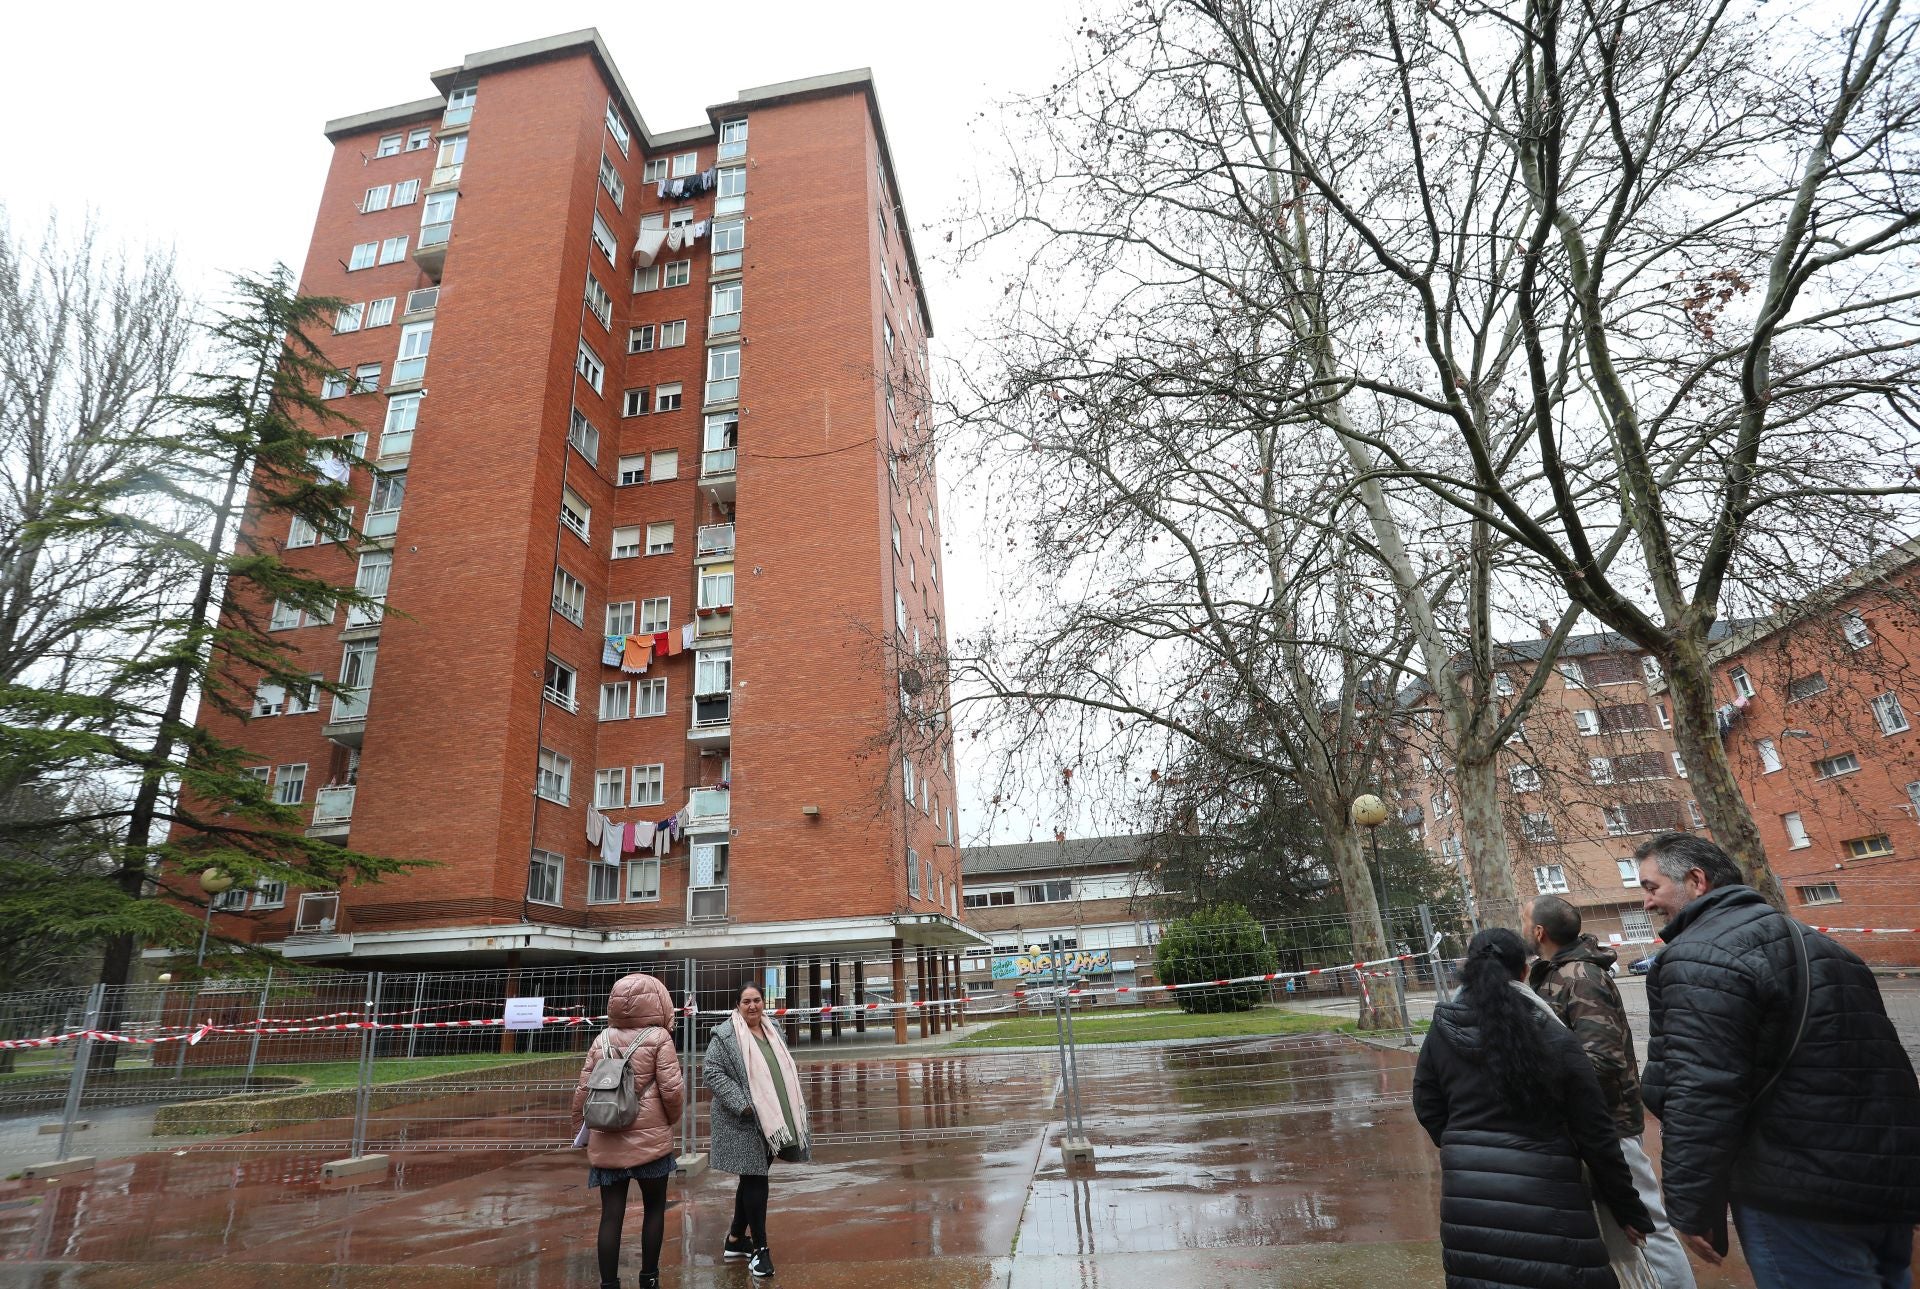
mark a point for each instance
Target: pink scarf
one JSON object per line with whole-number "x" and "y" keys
{"x": 766, "y": 1100}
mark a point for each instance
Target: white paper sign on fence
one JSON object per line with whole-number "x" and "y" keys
{"x": 526, "y": 1013}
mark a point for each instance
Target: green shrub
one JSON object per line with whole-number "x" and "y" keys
{"x": 1218, "y": 943}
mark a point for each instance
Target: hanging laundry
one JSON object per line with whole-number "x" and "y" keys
{"x": 688, "y": 634}
{"x": 674, "y": 238}
{"x": 628, "y": 834}
{"x": 660, "y": 644}
{"x": 610, "y": 842}
{"x": 335, "y": 469}
{"x": 642, "y": 836}
{"x": 610, "y": 652}
{"x": 699, "y": 228}
{"x": 676, "y": 642}
{"x": 596, "y": 825}
{"x": 707, "y": 179}
{"x": 636, "y": 656}
{"x": 651, "y": 240}
{"x": 663, "y": 190}
{"x": 660, "y": 841}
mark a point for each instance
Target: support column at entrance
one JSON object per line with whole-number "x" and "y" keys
{"x": 926, "y": 992}
{"x": 837, "y": 997}
{"x": 899, "y": 992}
{"x": 859, "y": 996}
{"x": 813, "y": 998}
{"x": 790, "y": 997}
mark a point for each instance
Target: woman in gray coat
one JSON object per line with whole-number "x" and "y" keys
{"x": 759, "y": 1114}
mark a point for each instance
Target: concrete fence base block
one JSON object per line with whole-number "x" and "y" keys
{"x": 53, "y": 1129}
{"x": 58, "y": 1167}
{"x": 691, "y": 1166}
{"x": 1076, "y": 1150}
{"x": 358, "y": 1166}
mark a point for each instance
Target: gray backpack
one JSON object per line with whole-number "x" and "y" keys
{"x": 612, "y": 1103}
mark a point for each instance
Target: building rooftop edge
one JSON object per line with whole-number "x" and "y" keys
{"x": 399, "y": 114}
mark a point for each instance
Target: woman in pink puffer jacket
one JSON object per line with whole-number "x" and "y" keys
{"x": 639, "y": 1019}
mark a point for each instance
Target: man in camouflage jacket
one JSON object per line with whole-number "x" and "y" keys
{"x": 1573, "y": 974}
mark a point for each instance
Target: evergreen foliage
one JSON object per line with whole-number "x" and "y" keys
{"x": 1220, "y": 942}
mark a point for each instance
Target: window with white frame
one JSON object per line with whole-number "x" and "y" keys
{"x": 1741, "y": 682}
{"x": 636, "y": 402}
{"x": 733, "y": 140}
{"x": 545, "y": 875}
{"x": 1679, "y": 765}
{"x": 1913, "y": 798}
{"x": 723, "y": 374}
{"x": 416, "y": 341}
{"x": 652, "y": 172}
{"x": 1818, "y": 893}
{"x": 396, "y": 434}
{"x": 649, "y": 785}
{"x": 1833, "y": 767}
{"x": 393, "y": 249}
{"x": 304, "y": 696}
{"x": 626, "y": 542}
{"x": 1887, "y": 713}
{"x": 640, "y": 339}
{"x": 590, "y": 367}
{"x": 603, "y": 882}
{"x": 1600, "y": 769}
{"x": 643, "y": 879}
{"x": 610, "y": 180}
{"x": 584, "y": 436}
{"x": 362, "y": 256}
{"x": 575, "y": 513}
{"x": 376, "y": 199}
{"x": 677, "y": 273}
{"x": 285, "y": 617}
{"x": 729, "y": 244}
{"x": 896, "y": 537}
{"x": 290, "y": 784}
{"x": 633, "y": 470}
{"x": 370, "y": 580}
{"x": 659, "y": 536}
{"x": 406, "y": 192}
{"x": 1587, "y": 721}
{"x": 1854, "y": 628}
{"x": 603, "y": 238}
{"x": 349, "y": 318}
{"x": 269, "y": 894}
{"x": 334, "y": 385}
{"x": 655, "y": 614}
{"x": 1570, "y": 671}
{"x": 301, "y": 532}
{"x": 1769, "y": 755}
{"x": 1636, "y": 925}
{"x": 716, "y": 586}
{"x": 557, "y": 686}
{"x": 569, "y": 597}
{"x": 650, "y": 697}
{"x": 610, "y": 789}
{"x": 599, "y": 302}
{"x": 380, "y": 312}
{"x": 713, "y": 672}
{"x": 666, "y": 398}
{"x": 1523, "y": 778}
{"x": 913, "y": 873}
{"x": 730, "y": 187}
{"x": 269, "y": 698}
{"x": 1538, "y": 827}
{"x": 617, "y": 127}
{"x": 419, "y": 138}
{"x": 685, "y": 163}
{"x": 1549, "y": 879}
{"x": 673, "y": 334}
{"x": 366, "y": 378}
{"x": 555, "y": 779}
{"x": 614, "y": 698}
{"x": 900, "y": 613}
{"x": 646, "y": 277}
{"x": 1629, "y": 872}
{"x": 389, "y": 146}
{"x": 1801, "y": 687}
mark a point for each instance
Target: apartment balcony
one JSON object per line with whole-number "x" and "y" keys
{"x": 348, "y": 724}
{"x": 318, "y": 914}
{"x": 713, "y": 544}
{"x": 430, "y": 251}
{"x": 717, "y": 473}
{"x": 332, "y": 812}
{"x": 444, "y": 176}
{"x": 706, "y": 903}
{"x": 712, "y": 719}
{"x": 707, "y": 809}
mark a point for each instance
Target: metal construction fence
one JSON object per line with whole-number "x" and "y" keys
{"x": 343, "y": 1065}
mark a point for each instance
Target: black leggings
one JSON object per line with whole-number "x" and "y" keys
{"x": 653, "y": 1226}
{"x": 750, "y": 1209}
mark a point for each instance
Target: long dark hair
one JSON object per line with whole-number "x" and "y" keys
{"x": 1511, "y": 1039}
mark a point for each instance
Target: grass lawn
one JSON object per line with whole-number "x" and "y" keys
{"x": 345, "y": 1074}
{"x": 1141, "y": 1027}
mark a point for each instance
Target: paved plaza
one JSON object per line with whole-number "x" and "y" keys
{"x": 1269, "y": 1162}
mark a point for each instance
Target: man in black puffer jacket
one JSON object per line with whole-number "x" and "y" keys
{"x": 1822, "y": 1166}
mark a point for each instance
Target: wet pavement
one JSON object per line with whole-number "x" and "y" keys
{"x": 1271, "y": 1162}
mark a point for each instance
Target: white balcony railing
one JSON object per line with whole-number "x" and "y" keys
{"x": 352, "y": 705}
{"x": 381, "y": 523}
{"x": 363, "y": 615}
{"x": 318, "y": 913}
{"x": 718, "y": 461}
{"x": 712, "y": 709}
{"x": 409, "y": 369}
{"x": 426, "y": 297}
{"x": 714, "y": 539}
{"x": 445, "y": 175}
{"x": 709, "y": 805}
{"x": 435, "y": 234}
{"x": 333, "y": 805}
{"x": 723, "y": 324}
{"x": 706, "y": 903}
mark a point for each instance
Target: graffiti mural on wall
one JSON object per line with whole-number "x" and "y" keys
{"x": 1028, "y": 966}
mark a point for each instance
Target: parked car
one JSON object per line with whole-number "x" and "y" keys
{"x": 1644, "y": 965}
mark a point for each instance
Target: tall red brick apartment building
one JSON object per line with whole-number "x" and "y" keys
{"x": 628, "y": 383}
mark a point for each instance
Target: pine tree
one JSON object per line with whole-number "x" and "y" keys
{"x": 250, "y": 438}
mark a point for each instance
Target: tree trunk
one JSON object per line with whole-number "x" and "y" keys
{"x": 1348, "y": 851}
{"x": 1483, "y": 837}
{"x": 1696, "y": 729}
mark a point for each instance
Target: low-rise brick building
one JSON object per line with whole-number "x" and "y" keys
{"x": 1089, "y": 893}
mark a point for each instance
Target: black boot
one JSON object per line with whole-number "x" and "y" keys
{"x": 649, "y": 1280}
{"x": 761, "y": 1263}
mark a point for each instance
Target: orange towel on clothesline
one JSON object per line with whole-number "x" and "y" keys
{"x": 638, "y": 653}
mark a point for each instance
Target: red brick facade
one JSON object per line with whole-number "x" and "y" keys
{"x": 818, "y": 827}
{"x": 1820, "y": 713}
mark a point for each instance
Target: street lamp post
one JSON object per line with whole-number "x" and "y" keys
{"x": 215, "y": 882}
{"x": 1369, "y": 812}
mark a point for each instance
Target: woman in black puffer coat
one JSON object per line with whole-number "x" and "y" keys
{"x": 1512, "y": 1103}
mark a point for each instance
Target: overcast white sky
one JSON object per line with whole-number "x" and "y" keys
{"x": 197, "y": 125}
